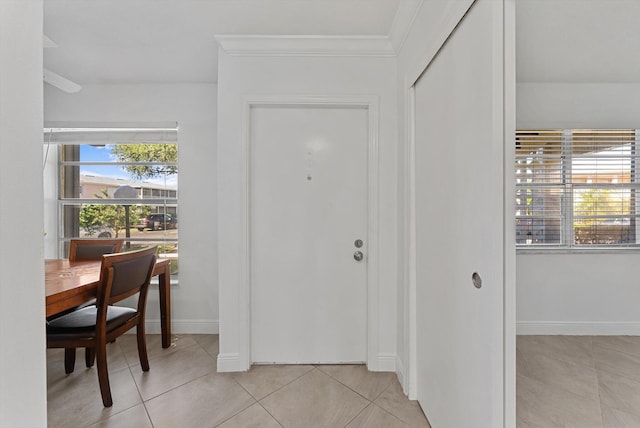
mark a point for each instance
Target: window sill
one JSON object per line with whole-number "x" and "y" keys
{"x": 173, "y": 281}
{"x": 574, "y": 250}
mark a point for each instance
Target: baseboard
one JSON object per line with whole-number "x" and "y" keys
{"x": 185, "y": 326}
{"x": 579, "y": 328}
{"x": 229, "y": 362}
{"x": 386, "y": 362}
{"x": 401, "y": 374}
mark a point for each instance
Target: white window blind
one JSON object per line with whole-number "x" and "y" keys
{"x": 577, "y": 188}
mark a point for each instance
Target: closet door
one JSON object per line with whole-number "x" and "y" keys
{"x": 459, "y": 225}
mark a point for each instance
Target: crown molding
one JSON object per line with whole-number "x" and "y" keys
{"x": 402, "y": 22}
{"x": 319, "y": 46}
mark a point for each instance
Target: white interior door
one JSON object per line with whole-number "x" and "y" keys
{"x": 308, "y": 206}
{"x": 459, "y": 225}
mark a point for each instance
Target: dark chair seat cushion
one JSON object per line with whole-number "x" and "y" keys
{"x": 84, "y": 320}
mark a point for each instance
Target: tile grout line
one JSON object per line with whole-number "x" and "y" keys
{"x": 342, "y": 383}
{"x": 243, "y": 409}
{"x": 110, "y": 372}
{"x": 278, "y": 389}
{"x": 396, "y": 417}
{"x": 369, "y": 402}
{"x": 598, "y": 374}
{"x": 124, "y": 355}
{"x": 144, "y": 405}
{"x": 121, "y": 346}
{"x": 359, "y": 413}
{"x": 385, "y": 390}
{"x": 593, "y": 358}
{"x": 269, "y": 413}
{"x": 236, "y": 414}
{"x": 177, "y": 386}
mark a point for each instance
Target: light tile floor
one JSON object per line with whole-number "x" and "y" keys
{"x": 184, "y": 390}
{"x": 578, "y": 381}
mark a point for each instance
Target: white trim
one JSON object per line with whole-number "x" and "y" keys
{"x": 509, "y": 274}
{"x": 411, "y": 299}
{"x": 371, "y": 103}
{"x": 403, "y": 22}
{"x": 230, "y": 362}
{"x": 584, "y": 328}
{"x": 402, "y": 378}
{"x": 244, "y": 292}
{"x": 300, "y": 46}
{"x": 387, "y": 362}
{"x": 500, "y": 130}
{"x": 185, "y": 326}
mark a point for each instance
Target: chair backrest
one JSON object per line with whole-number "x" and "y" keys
{"x": 125, "y": 274}
{"x": 93, "y": 249}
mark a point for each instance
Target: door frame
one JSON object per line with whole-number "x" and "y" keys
{"x": 369, "y": 102}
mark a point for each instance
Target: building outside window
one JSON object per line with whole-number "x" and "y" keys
{"x": 98, "y": 165}
{"x": 577, "y": 188}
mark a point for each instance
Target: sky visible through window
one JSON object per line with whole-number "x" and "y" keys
{"x": 91, "y": 153}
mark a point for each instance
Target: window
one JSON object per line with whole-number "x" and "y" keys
{"x": 577, "y": 188}
{"x": 119, "y": 182}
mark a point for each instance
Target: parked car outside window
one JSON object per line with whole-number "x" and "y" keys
{"x": 158, "y": 221}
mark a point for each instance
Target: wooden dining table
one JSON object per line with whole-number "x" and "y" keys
{"x": 69, "y": 284}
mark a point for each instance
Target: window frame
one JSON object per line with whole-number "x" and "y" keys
{"x": 568, "y": 188}
{"x": 62, "y": 137}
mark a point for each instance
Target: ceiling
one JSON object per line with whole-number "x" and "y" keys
{"x": 160, "y": 41}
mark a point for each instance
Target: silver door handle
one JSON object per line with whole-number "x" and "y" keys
{"x": 358, "y": 256}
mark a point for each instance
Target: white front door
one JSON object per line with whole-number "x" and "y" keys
{"x": 459, "y": 199}
{"x": 308, "y": 207}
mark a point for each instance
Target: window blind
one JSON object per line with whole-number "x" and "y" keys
{"x": 576, "y": 187}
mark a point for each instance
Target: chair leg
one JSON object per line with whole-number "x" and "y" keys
{"x": 89, "y": 356}
{"x": 142, "y": 347}
{"x": 69, "y": 360}
{"x": 103, "y": 374}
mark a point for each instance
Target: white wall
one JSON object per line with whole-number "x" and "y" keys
{"x": 578, "y": 293}
{"x": 578, "y": 105}
{"x": 288, "y": 76}
{"x": 22, "y": 335}
{"x": 194, "y": 302}
{"x": 592, "y": 293}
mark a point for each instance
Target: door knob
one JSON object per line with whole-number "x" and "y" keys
{"x": 358, "y": 256}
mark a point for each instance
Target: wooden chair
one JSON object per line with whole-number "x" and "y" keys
{"x": 89, "y": 249}
{"x": 93, "y": 249}
{"x": 92, "y": 327}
